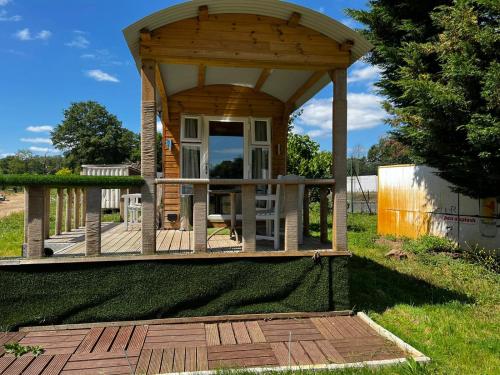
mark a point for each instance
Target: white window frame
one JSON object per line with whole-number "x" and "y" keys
{"x": 200, "y": 129}
{"x": 268, "y": 131}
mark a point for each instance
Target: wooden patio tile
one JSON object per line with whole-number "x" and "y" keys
{"x": 116, "y": 370}
{"x": 5, "y": 362}
{"x": 337, "y": 325}
{"x": 241, "y": 333}
{"x": 280, "y": 350}
{"x": 155, "y": 361}
{"x": 369, "y": 330}
{"x": 101, "y": 364}
{"x": 255, "y": 332}
{"x": 167, "y": 361}
{"x": 299, "y": 329}
{"x": 212, "y": 334}
{"x": 201, "y": 358}
{"x": 299, "y": 354}
{"x": 90, "y": 340}
{"x": 143, "y": 363}
{"x": 314, "y": 353}
{"x": 344, "y": 321}
{"x": 122, "y": 338}
{"x": 138, "y": 336}
{"x": 331, "y": 354}
{"x": 241, "y": 355}
{"x": 17, "y": 367}
{"x": 226, "y": 334}
{"x": 106, "y": 339}
{"x": 52, "y": 333}
{"x": 179, "y": 359}
{"x": 190, "y": 361}
{"x": 37, "y": 365}
{"x": 328, "y": 329}
{"x": 56, "y": 365}
{"x": 105, "y": 355}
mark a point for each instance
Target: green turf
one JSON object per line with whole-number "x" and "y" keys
{"x": 70, "y": 181}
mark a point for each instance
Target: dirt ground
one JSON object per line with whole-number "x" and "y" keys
{"x": 14, "y": 203}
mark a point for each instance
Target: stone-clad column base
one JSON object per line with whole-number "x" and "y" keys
{"x": 93, "y": 222}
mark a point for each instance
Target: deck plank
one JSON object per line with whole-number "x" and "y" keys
{"x": 179, "y": 359}
{"x": 255, "y": 332}
{"x": 122, "y": 339}
{"x": 56, "y": 365}
{"x": 106, "y": 339}
{"x": 90, "y": 340}
{"x": 167, "y": 361}
{"x": 143, "y": 363}
{"x": 37, "y": 366}
{"x": 138, "y": 336}
{"x": 212, "y": 334}
{"x": 241, "y": 333}
{"x": 155, "y": 361}
{"x": 17, "y": 367}
{"x": 201, "y": 358}
{"x": 226, "y": 334}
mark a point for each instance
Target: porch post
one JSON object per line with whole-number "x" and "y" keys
{"x": 93, "y": 222}
{"x": 46, "y": 218}
{"x": 291, "y": 217}
{"x": 76, "y": 207}
{"x": 36, "y": 219}
{"x": 59, "y": 211}
{"x": 69, "y": 208}
{"x": 323, "y": 214}
{"x": 148, "y": 157}
{"x": 339, "y": 133}
{"x": 248, "y": 222}
{"x": 84, "y": 207}
{"x": 200, "y": 217}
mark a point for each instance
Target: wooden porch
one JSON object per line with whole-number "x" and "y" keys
{"x": 272, "y": 341}
{"x": 117, "y": 240}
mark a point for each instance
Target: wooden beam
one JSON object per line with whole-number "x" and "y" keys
{"x": 264, "y": 75}
{"x": 313, "y": 79}
{"x": 202, "y": 71}
{"x": 162, "y": 89}
{"x": 203, "y": 13}
{"x": 145, "y": 35}
{"x": 294, "y": 19}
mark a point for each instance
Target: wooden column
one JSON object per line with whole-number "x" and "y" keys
{"x": 46, "y": 209}
{"x": 76, "y": 207}
{"x": 306, "y": 221}
{"x": 84, "y": 207}
{"x": 26, "y": 201}
{"x": 93, "y": 222}
{"x": 36, "y": 219}
{"x": 291, "y": 217}
{"x": 323, "y": 214}
{"x": 249, "y": 218}
{"x": 59, "y": 211}
{"x": 148, "y": 157}
{"x": 339, "y": 234}
{"x": 200, "y": 217}
{"x": 69, "y": 208}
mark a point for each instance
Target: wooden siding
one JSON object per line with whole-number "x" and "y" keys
{"x": 219, "y": 100}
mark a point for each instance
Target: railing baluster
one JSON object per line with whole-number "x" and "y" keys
{"x": 76, "y": 207}
{"x": 249, "y": 219}
{"x": 323, "y": 214}
{"x": 69, "y": 208}
{"x": 46, "y": 218}
{"x": 305, "y": 223}
{"x": 200, "y": 217}
{"x": 59, "y": 211}
{"x": 36, "y": 219}
{"x": 291, "y": 217}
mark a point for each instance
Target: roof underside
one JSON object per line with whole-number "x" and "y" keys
{"x": 281, "y": 83}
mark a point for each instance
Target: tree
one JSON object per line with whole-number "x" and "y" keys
{"x": 89, "y": 134}
{"x": 441, "y": 74}
{"x": 389, "y": 151}
{"x": 25, "y": 162}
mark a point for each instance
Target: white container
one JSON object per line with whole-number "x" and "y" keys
{"x": 110, "y": 197}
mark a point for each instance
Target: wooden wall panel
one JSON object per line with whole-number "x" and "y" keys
{"x": 219, "y": 100}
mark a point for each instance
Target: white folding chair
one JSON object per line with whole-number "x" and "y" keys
{"x": 133, "y": 209}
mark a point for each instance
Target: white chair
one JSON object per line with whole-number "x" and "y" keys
{"x": 133, "y": 209}
{"x": 274, "y": 212}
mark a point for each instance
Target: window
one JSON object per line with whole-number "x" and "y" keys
{"x": 260, "y": 166}
{"x": 191, "y": 129}
{"x": 261, "y": 132}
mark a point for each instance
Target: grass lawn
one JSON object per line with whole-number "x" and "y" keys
{"x": 447, "y": 308}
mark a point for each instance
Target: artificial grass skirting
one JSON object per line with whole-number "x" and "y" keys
{"x": 101, "y": 292}
{"x": 70, "y": 181}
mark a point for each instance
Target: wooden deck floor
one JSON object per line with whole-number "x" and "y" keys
{"x": 189, "y": 347}
{"x": 115, "y": 239}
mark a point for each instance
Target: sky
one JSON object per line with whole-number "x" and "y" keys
{"x": 55, "y": 52}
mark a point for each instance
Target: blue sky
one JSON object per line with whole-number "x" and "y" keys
{"x": 54, "y": 52}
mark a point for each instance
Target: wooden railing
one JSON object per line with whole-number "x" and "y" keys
{"x": 248, "y": 191}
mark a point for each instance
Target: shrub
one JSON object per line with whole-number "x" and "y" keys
{"x": 489, "y": 259}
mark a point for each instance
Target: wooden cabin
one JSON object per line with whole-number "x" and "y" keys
{"x": 223, "y": 78}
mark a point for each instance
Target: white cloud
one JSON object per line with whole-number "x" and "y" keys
{"x": 101, "y": 76}
{"x": 40, "y": 129}
{"x": 4, "y": 16}
{"x": 88, "y": 56}
{"x": 364, "y": 112}
{"x": 4, "y": 2}
{"x": 25, "y": 35}
{"x": 321, "y": 9}
{"x": 4, "y": 155}
{"x": 43, "y": 150}
{"x": 159, "y": 126}
{"x": 104, "y": 58}
{"x": 365, "y": 73}
{"x": 79, "y": 40}
{"x": 37, "y": 140}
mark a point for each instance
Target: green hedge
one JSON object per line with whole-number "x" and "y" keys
{"x": 93, "y": 292}
{"x": 70, "y": 181}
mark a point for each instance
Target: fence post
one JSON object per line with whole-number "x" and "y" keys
{"x": 200, "y": 217}
{"x": 69, "y": 208}
{"x": 76, "y": 207}
{"x": 248, "y": 222}
{"x": 93, "y": 222}
{"x": 36, "y": 219}
{"x": 59, "y": 211}
{"x": 291, "y": 217}
{"x": 323, "y": 214}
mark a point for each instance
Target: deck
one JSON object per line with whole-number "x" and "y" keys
{"x": 204, "y": 344}
{"x": 116, "y": 240}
